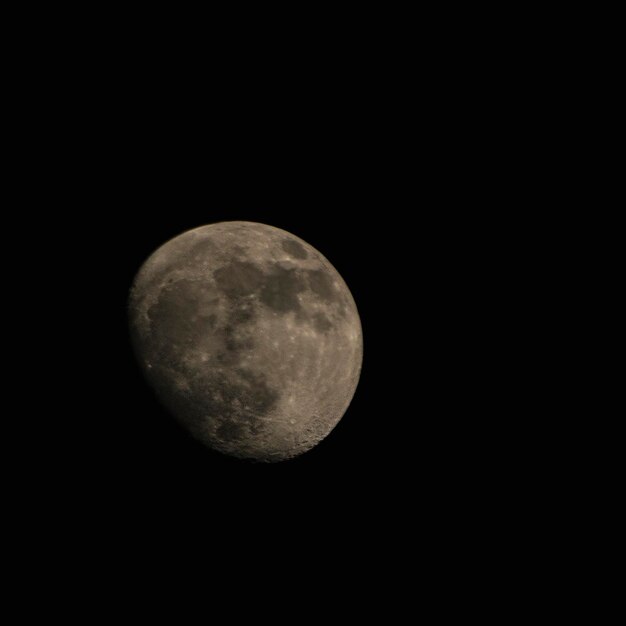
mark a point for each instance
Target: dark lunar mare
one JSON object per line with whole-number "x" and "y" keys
{"x": 281, "y": 289}
{"x": 292, "y": 247}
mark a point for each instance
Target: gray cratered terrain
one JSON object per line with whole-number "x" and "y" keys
{"x": 249, "y": 337}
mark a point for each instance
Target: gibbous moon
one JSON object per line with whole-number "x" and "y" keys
{"x": 249, "y": 337}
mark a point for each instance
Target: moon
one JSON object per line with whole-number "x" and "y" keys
{"x": 249, "y": 337}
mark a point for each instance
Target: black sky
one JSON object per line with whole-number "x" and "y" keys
{"x": 415, "y": 164}
{"x": 402, "y": 218}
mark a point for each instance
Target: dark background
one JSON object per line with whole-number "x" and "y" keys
{"x": 412, "y": 438}
{"x": 404, "y": 196}
{"x": 417, "y": 162}
{"x": 387, "y": 203}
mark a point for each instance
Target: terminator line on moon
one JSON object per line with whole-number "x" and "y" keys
{"x": 249, "y": 337}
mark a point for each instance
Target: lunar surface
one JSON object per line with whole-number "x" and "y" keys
{"x": 249, "y": 337}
